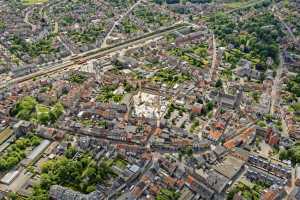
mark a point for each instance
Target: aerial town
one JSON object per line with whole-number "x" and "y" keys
{"x": 150, "y": 100}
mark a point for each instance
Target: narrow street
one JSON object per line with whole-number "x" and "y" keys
{"x": 284, "y": 132}
{"x": 65, "y": 45}
{"x": 276, "y": 85}
{"x": 290, "y": 32}
{"x": 214, "y": 58}
{"x": 26, "y": 20}
{"x": 278, "y": 15}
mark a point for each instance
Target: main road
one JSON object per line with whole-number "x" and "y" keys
{"x": 93, "y": 54}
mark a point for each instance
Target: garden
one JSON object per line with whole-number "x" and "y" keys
{"x": 93, "y": 123}
{"x": 150, "y": 17}
{"x": 195, "y": 55}
{"x": 293, "y": 85}
{"x": 43, "y": 46}
{"x": 17, "y": 151}
{"x": 129, "y": 27}
{"x": 247, "y": 192}
{"x": 292, "y": 154}
{"x": 78, "y": 78}
{"x": 248, "y": 38}
{"x": 107, "y": 94}
{"x": 82, "y": 174}
{"x": 170, "y": 77}
{"x": 167, "y": 194}
{"x": 30, "y": 110}
{"x": 88, "y": 35}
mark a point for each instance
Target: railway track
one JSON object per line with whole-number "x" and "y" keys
{"x": 94, "y": 54}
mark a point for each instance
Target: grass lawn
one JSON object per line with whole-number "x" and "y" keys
{"x": 109, "y": 162}
{"x": 31, "y": 2}
{"x": 30, "y": 110}
{"x": 41, "y": 109}
{"x": 120, "y": 163}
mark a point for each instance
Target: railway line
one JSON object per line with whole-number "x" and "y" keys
{"x": 94, "y": 54}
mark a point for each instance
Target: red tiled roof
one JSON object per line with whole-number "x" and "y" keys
{"x": 230, "y": 144}
{"x": 215, "y": 134}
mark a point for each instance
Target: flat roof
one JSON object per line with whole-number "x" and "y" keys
{"x": 134, "y": 168}
{"x": 10, "y": 176}
{"x": 217, "y": 181}
{"x": 39, "y": 149}
{"x": 298, "y": 172}
{"x": 230, "y": 166}
{"x": 186, "y": 194}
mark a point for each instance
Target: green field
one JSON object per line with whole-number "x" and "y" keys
{"x": 31, "y": 2}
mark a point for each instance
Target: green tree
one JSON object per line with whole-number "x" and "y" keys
{"x": 166, "y": 194}
{"x": 219, "y": 83}
{"x": 209, "y": 106}
{"x": 70, "y": 152}
{"x": 90, "y": 188}
{"x": 57, "y": 110}
{"x": 3, "y": 165}
{"x": 292, "y": 154}
{"x": 12, "y": 196}
{"x": 255, "y": 96}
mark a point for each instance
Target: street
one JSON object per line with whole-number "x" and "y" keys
{"x": 118, "y": 22}
{"x": 276, "y": 85}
